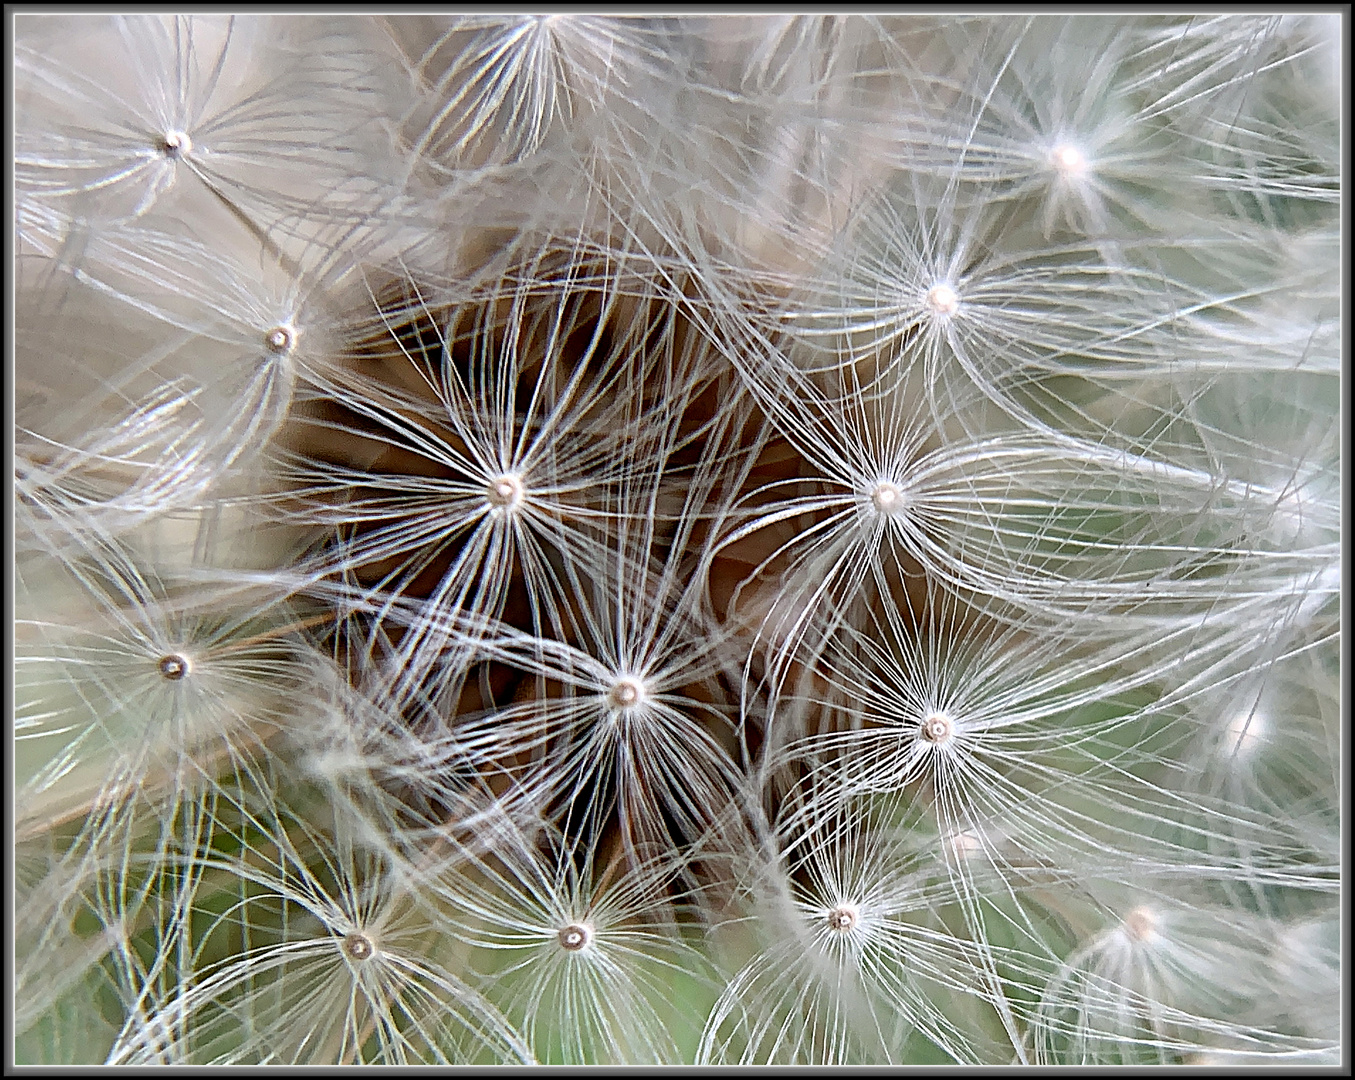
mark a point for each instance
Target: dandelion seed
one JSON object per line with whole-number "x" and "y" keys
{"x": 280, "y": 339}
{"x": 1069, "y": 161}
{"x": 174, "y": 666}
{"x": 506, "y": 492}
{"x": 496, "y": 89}
{"x": 937, "y": 728}
{"x": 631, "y": 725}
{"x": 1169, "y": 979}
{"x": 279, "y": 112}
{"x": 843, "y": 918}
{"x": 887, "y": 498}
{"x": 628, "y": 693}
{"x": 847, "y": 533}
{"x": 357, "y": 946}
{"x": 633, "y": 735}
{"x": 306, "y": 986}
{"x": 165, "y": 374}
{"x": 1140, "y": 925}
{"x": 575, "y": 936}
{"x": 143, "y": 678}
{"x": 487, "y": 467}
{"x": 858, "y": 969}
{"x": 583, "y": 960}
{"x": 176, "y": 143}
{"x": 943, "y": 300}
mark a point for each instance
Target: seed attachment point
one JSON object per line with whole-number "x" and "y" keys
{"x": 173, "y": 667}
{"x": 627, "y": 693}
{"x": 505, "y": 492}
{"x": 843, "y": 919}
{"x": 937, "y": 728}
{"x": 174, "y": 144}
{"x": 1069, "y": 161}
{"x": 575, "y": 936}
{"x": 280, "y": 340}
{"x": 358, "y": 946}
{"x": 887, "y": 498}
{"x": 1141, "y": 925}
{"x": 943, "y": 300}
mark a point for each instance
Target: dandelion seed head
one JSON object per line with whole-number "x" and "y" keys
{"x": 575, "y": 937}
{"x": 936, "y": 728}
{"x": 175, "y": 144}
{"x": 358, "y": 947}
{"x": 688, "y": 682}
{"x": 506, "y": 492}
{"x": 1140, "y": 925}
{"x": 943, "y": 300}
{"x": 627, "y": 693}
{"x": 173, "y": 667}
{"x": 843, "y": 918}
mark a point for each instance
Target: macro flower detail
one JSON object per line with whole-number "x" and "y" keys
{"x": 651, "y": 540}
